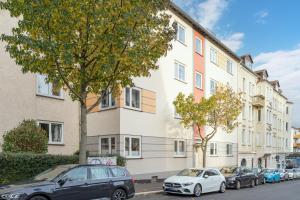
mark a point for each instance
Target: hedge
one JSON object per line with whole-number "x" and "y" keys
{"x": 20, "y": 166}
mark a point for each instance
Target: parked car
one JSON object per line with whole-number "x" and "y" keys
{"x": 259, "y": 176}
{"x": 291, "y": 174}
{"x": 238, "y": 177}
{"x": 74, "y": 182}
{"x": 296, "y": 173}
{"x": 195, "y": 182}
{"x": 272, "y": 176}
{"x": 283, "y": 174}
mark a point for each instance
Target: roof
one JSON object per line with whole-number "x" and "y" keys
{"x": 247, "y": 56}
{"x": 275, "y": 82}
{"x": 262, "y": 71}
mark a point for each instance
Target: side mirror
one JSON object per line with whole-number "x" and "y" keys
{"x": 205, "y": 176}
{"x": 62, "y": 181}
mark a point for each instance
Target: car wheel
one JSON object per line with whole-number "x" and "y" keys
{"x": 222, "y": 187}
{"x": 119, "y": 194}
{"x": 252, "y": 183}
{"x": 38, "y": 198}
{"x": 256, "y": 182}
{"x": 264, "y": 181}
{"x": 238, "y": 185}
{"x": 197, "y": 190}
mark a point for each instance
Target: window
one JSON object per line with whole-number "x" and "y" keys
{"x": 133, "y": 98}
{"x": 213, "y": 86}
{"x": 108, "y": 101}
{"x": 47, "y": 89}
{"x": 107, "y": 145}
{"x": 98, "y": 173}
{"x": 133, "y": 147}
{"x": 179, "y": 71}
{"x": 179, "y": 148}
{"x": 259, "y": 115}
{"x": 249, "y": 138}
{"x": 229, "y": 67}
{"x": 176, "y": 114}
{"x": 244, "y": 111}
{"x": 77, "y": 174}
{"x": 180, "y": 33}
{"x": 213, "y": 149}
{"x": 286, "y": 126}
{"x": 118, "y": 172}
{"x": 213, "y": 56}
{"x": 229, "y": 149}
{"x": 250, "y": 113}
{"x": 243, "y": 137}
{"x": 198, "y": 80}
{"x": 198, "y": 46}
{"x": 54, "y": 131}
{"x": 244, "y": 85}
{"x": 287, "y": 110}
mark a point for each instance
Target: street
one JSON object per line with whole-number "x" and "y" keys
{"x": 279, "y": 191}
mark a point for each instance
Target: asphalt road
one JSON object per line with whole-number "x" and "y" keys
{"x": 289, "y": 190}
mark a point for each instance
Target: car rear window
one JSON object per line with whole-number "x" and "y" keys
{"x": 118, "y": 172}
{"x": 98, "y": 173}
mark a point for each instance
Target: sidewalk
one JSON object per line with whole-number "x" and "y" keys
{"x": 148, "y": 188}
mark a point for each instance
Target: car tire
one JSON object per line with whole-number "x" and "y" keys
{"x": 264, "y": 181}
{"x": 238, "y": 185}
{"x": 197, "y": 190}
{"x": 256, "y": 182}
{"x": 38, "y": 198}
{"x": 222, "y": 187}
{"x": 119, "y": 194}
{"x": 252, "y": 183}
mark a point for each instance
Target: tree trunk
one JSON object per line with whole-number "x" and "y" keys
{"x": 83, "y": 134}
{"x": 204, "y": 156}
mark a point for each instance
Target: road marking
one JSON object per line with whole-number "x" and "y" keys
{"x": 150, "y": 192}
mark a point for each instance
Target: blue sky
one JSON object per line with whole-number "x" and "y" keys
{"x": 267, "y": 29}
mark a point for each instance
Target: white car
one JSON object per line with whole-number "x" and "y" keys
{"x": 195, "y": 182}
{"x": 291, "y": 174}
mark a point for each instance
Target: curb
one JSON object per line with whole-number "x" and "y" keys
{"x": 150, "y": 192}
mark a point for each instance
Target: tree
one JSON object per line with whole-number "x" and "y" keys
{"x": 219, "y": 111}
{"x": 89, "y": 46}
{"x": 27, "y": 137}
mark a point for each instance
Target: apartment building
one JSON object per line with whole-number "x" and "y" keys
{"x": 28, "y": 96}
{"x": 248, "y": 138}
{"x": 296, "y": 139}
{"x": 221, "y": 68}
{"x": 142, "y": 124}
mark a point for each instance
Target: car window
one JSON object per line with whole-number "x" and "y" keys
{"x": 77, "y": 174}
{"x": 98, "y": 173}
{"x": 214, "y": 173}
{"x": 209, "y": 173}
{"x": 118, "y": 172}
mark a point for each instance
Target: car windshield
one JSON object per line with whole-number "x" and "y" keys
{"x": 269, "y": 171}
{"x": 52, "y": 173}
{"x": 190, "y": 172}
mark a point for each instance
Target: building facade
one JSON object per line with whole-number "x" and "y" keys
{"x": 28, "y": 96}
{"x": 296, "y": 139}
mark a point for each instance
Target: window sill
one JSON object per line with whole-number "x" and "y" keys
{"x": 200, "y": 54}
{"x": 108, "y": 108}
{"x": 213, "y": 156}
{"x": 134, "y": 158}
{"x": 56, "y": 144}
{"x": 52, "y": 97}
{"x": 181, "y": 42}
{"x": 180, "y": 156}
{"x": 180, "y": 80}
{"x": 229, "y": 155}
{"x": 198, "y": 88}
{"x": 132, "y": 108}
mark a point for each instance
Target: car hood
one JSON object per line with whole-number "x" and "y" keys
{"x": 180, "y": 179}
{"x": 23, "y": 186}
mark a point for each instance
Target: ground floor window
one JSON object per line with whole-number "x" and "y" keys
{"x": 54, "y": 131}
{"x": 213, "y": 149}
{"x": 229, "y": 149}
{"x": 133, "y": 147}
{"x": 107, "y": 145}
{"x": 179, "y": 148}
{"x": 243, "y": 162}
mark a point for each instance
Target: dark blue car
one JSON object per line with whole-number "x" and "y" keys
{"x": 272, "y": 176}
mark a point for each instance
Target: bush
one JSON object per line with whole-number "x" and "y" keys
{"x": 27, "y": 137}
{"x": 20, "y": 166}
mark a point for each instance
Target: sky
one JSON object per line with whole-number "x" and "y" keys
{"x": 269, "y": 30}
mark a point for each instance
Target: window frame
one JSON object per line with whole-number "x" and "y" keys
{"x": 110, "y": 106}
{"x": 177, "y": 65}
{"x": 50, "y": 142}
{"x": 50, "y": 86}
{"x": 201, "y": 80}
{"x": 230, "y": 69}
{"x": 109, "y": 144}
{"x": 215, "y": 149}
{"x": 201, "y": 46}
{"x": 179, "y": 25}
{"x": 177, "y": 153}
{"x": 130, "y": 98}
{"x": 230, "y": 150}
{"x": 215, "y": 86}
{"x": 130, "y": 146}
{"x": 212, "y": 50}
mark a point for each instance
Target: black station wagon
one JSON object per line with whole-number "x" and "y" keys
{"x": 74, "y": 182}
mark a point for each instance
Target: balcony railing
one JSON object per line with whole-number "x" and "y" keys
{"x": 258, "y": 101}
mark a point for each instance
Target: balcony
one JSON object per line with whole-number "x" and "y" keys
{"x": 258, "y": 101}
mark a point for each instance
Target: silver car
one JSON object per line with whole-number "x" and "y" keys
{"x": 296, "y": 173}
{"x": 290, "y": 174}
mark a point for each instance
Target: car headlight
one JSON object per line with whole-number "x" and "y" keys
{"x": 14, "y": 196}
{"x": 187, "y": 184}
